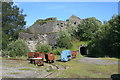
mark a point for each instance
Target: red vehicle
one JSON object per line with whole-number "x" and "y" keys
{"x": 38, "y": 58}
{"x": 50, "y": 57}
{"x": 39, "y": 54}
{"x": 38, "y": 61}
{"x": 31, "y": 55}
{"x": 74, "y": 53}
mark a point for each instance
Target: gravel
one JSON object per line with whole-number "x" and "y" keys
{"x": 87, "y": 60}
{"x": 22, "y": 69}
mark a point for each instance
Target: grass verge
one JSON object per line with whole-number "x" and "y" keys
{"x": 25, "y": 69}
{"x": 111, "y": 59}
{"x": 14, "y": 73}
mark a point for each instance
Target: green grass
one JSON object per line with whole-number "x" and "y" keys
{"x": 25, "y": 69}
{"x": 6, "y": 77}
{"x": 14, "y": 73}
{"x": 81, "y": 70}
{"x": 111, "y": 59}
{"x": 76, "y": 44}
{"x": 50, "y": 70}
{"x": 17, "y": 58}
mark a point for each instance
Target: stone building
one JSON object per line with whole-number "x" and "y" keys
{"x": 73, "y": 20}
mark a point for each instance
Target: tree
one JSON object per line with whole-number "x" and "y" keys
{"x": 87, "y": 29}
{"x": 114, "y": 36}
{"x": 108, "y": 42}
{"x": 12, "y": 21}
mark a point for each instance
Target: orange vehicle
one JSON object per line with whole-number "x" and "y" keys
{"x": 74, "y": 53}
{"x": 39, "y": 54}
{"x": 38, "y": 58}
{"x": 38, "y": 61}
{"x": 31, "y": 55}
{"x": 50, "y": 57}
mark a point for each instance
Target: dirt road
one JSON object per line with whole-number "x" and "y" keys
{"x": 100, "y": 61}
{"x": 23, "y": 69}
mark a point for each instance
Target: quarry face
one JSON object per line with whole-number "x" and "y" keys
{"x": 46, "y": 31}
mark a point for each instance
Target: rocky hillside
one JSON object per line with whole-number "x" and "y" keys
{"x": 46, "y": 31}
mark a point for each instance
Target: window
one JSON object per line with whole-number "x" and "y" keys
{"x": 74, "y": 22}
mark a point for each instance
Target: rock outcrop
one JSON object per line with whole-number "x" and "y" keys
{"x": 46, "y": 31}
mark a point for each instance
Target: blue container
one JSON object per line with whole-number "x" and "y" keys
{"x": 66, "y": 55}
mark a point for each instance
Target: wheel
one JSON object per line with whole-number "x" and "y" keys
{"x": 34, "y": 62}
{"x": 48, "y": 61}
{"x": 52, "y": 61}
{"x": 31, "y": 61}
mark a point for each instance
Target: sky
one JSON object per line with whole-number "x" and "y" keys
{"x": 103, "y": 11}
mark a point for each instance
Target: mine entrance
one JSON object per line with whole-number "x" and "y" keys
{"x": 83, "y": 50}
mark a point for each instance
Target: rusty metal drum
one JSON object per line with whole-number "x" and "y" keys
{"x": 74, "y": 53}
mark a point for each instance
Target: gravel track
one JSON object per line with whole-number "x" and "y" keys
{"x": 87, "y": 60}
{"x": 12, "y": 69}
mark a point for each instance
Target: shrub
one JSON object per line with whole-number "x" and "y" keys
{"x": 5, "y": 53}
{"x": 57, "y": 51}
{"x": 43, "y": 48}
{"x": 64, "y": 40}
{"x": 17, "y": 48}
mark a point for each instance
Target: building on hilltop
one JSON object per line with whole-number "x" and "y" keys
{"x": 73, "y": 20}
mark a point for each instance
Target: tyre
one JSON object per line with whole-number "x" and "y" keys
{"x": 52, "y": 61}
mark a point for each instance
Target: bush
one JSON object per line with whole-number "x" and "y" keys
{"x": 5, "y": 53}
{"x": 57, "y": 51}
{"x": 43, "y": 48}
{"x": 17, "y": 48}
{"x": 64, "y": 41}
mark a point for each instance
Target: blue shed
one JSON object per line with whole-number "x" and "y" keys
{"x": 66, "y": 55}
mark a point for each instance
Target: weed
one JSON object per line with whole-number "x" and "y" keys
{"x": 14, "y": 73}
{"x": 25, "y": 69}
{"x": 50, "y": 70}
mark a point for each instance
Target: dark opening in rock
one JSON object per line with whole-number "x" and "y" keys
{"x": 83, "y": 50}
